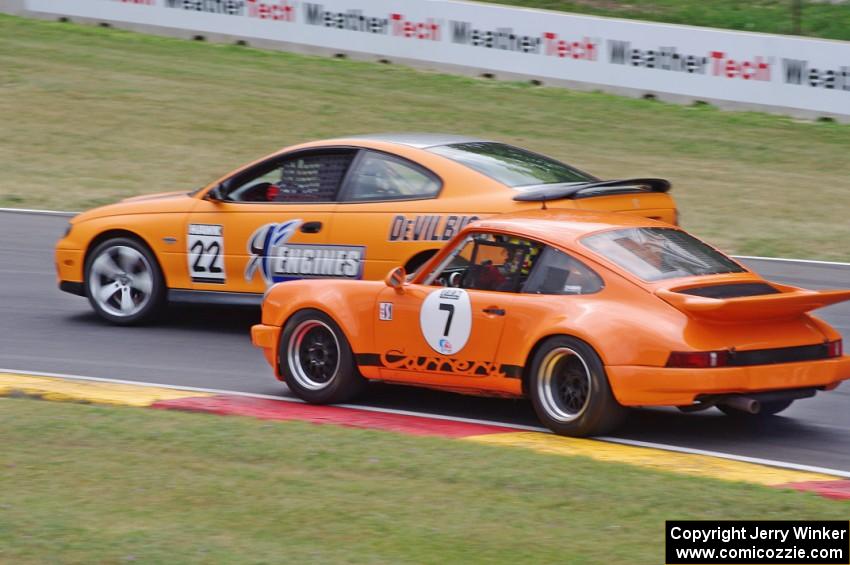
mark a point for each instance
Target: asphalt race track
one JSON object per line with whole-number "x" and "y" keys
{"x": 43, "y": 329}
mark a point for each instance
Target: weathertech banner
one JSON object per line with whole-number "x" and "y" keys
{"x": 698, "y": 63}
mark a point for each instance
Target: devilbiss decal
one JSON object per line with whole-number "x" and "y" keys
{"x": 427, "y": 228}
{"x": 277, "y": 260}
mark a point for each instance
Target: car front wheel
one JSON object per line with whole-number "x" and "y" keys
{"x": 570, "y": 391}
{"x": 316, "y": 360}
{"x": 124, "y": 283}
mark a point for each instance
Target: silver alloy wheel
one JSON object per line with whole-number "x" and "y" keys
{"x": 564, "y": 384}
{"x": 121, "y": 281}
{"x": 313, "y": 354}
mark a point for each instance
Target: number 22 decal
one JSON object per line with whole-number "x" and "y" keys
{"x": 213, "y": 250}
{"x": 206, "y": 257}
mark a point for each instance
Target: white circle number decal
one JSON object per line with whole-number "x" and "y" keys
{"x": 446, "y": 320}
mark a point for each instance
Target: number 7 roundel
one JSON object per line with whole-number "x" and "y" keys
{"x": 446, "y": 320}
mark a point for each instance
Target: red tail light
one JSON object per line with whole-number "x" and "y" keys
{"x": 834, "y": 348}
{"x": 698, "y": 359}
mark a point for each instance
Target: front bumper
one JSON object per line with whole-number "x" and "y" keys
{"x": 69, "y": 265}
{"x": 660, "y": 386}
{"x": 266, "y": 338}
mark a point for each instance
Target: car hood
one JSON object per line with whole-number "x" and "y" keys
{"x": 163, "y": 202}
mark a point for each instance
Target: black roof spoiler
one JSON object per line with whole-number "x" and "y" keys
{"x": 575, "y": 191}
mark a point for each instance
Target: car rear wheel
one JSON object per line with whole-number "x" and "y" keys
{"x": 570, "y": 391}
{"x": 124, "y": 283}
{"x": 316, "y": 359}
{"x": 766, "y": 410}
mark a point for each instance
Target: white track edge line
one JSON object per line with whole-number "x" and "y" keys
{"x": 43, "y": 212}
{"x": 784, "y": 259}
{"x": 608, "y": 439}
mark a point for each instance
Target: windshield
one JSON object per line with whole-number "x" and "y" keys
{"x": 510, "y": 165}
{"x": 655, "y": 254}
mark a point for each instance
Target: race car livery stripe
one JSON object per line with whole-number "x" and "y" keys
{"x": 658, "y": 459}
{"x": 368, "y": 359}
{"x": 87, "y": 391}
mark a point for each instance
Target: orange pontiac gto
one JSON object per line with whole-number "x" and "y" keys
{"x": 345, "y": 208}
{"x": 585, "y": 313}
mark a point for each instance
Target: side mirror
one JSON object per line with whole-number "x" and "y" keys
{"x": 217, "y": 193}
{"x": 396, "y": 279}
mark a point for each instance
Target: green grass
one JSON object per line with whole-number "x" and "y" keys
{"x": 818, "y": 19}
{"x": 88, "y": 484}
{"x": 90, "y": 115}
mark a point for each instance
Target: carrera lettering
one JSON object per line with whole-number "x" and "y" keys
{"x": 427, "y": 228}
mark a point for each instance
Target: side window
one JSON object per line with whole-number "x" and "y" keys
{"x": 378, "y": 176}
{"x": 298, "y": 179}
{"x": 558, "y": 273}
{"x": 488, "y": 262}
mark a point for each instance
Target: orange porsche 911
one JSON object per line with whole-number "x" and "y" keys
{"x": 344, "y": 208}
{"x": 585, "y": 313}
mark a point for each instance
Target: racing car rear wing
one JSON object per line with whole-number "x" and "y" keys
{"x": 788, "y": 303}
{"x": 574, "y": 191}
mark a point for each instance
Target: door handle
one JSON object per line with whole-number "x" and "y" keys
{"x": 311, "y": 227}
{"x": 493, "y": 311}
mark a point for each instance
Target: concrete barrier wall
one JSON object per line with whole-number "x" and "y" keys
{"x": 734, "y": 70}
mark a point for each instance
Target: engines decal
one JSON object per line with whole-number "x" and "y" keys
{"x": 277, "y": 260}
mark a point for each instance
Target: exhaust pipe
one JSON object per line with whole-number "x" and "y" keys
{"x": 742, "y": 403}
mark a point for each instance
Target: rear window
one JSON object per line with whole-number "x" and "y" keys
{"x": 511, "y": 165}
{"x": 655, "y": 254}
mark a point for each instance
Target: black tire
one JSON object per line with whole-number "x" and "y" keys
{"x": 123, "y": 281}
{"x": 570, "y": 391}
{"x": 316, "y": 359}
{"x": 767, "y": 410}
